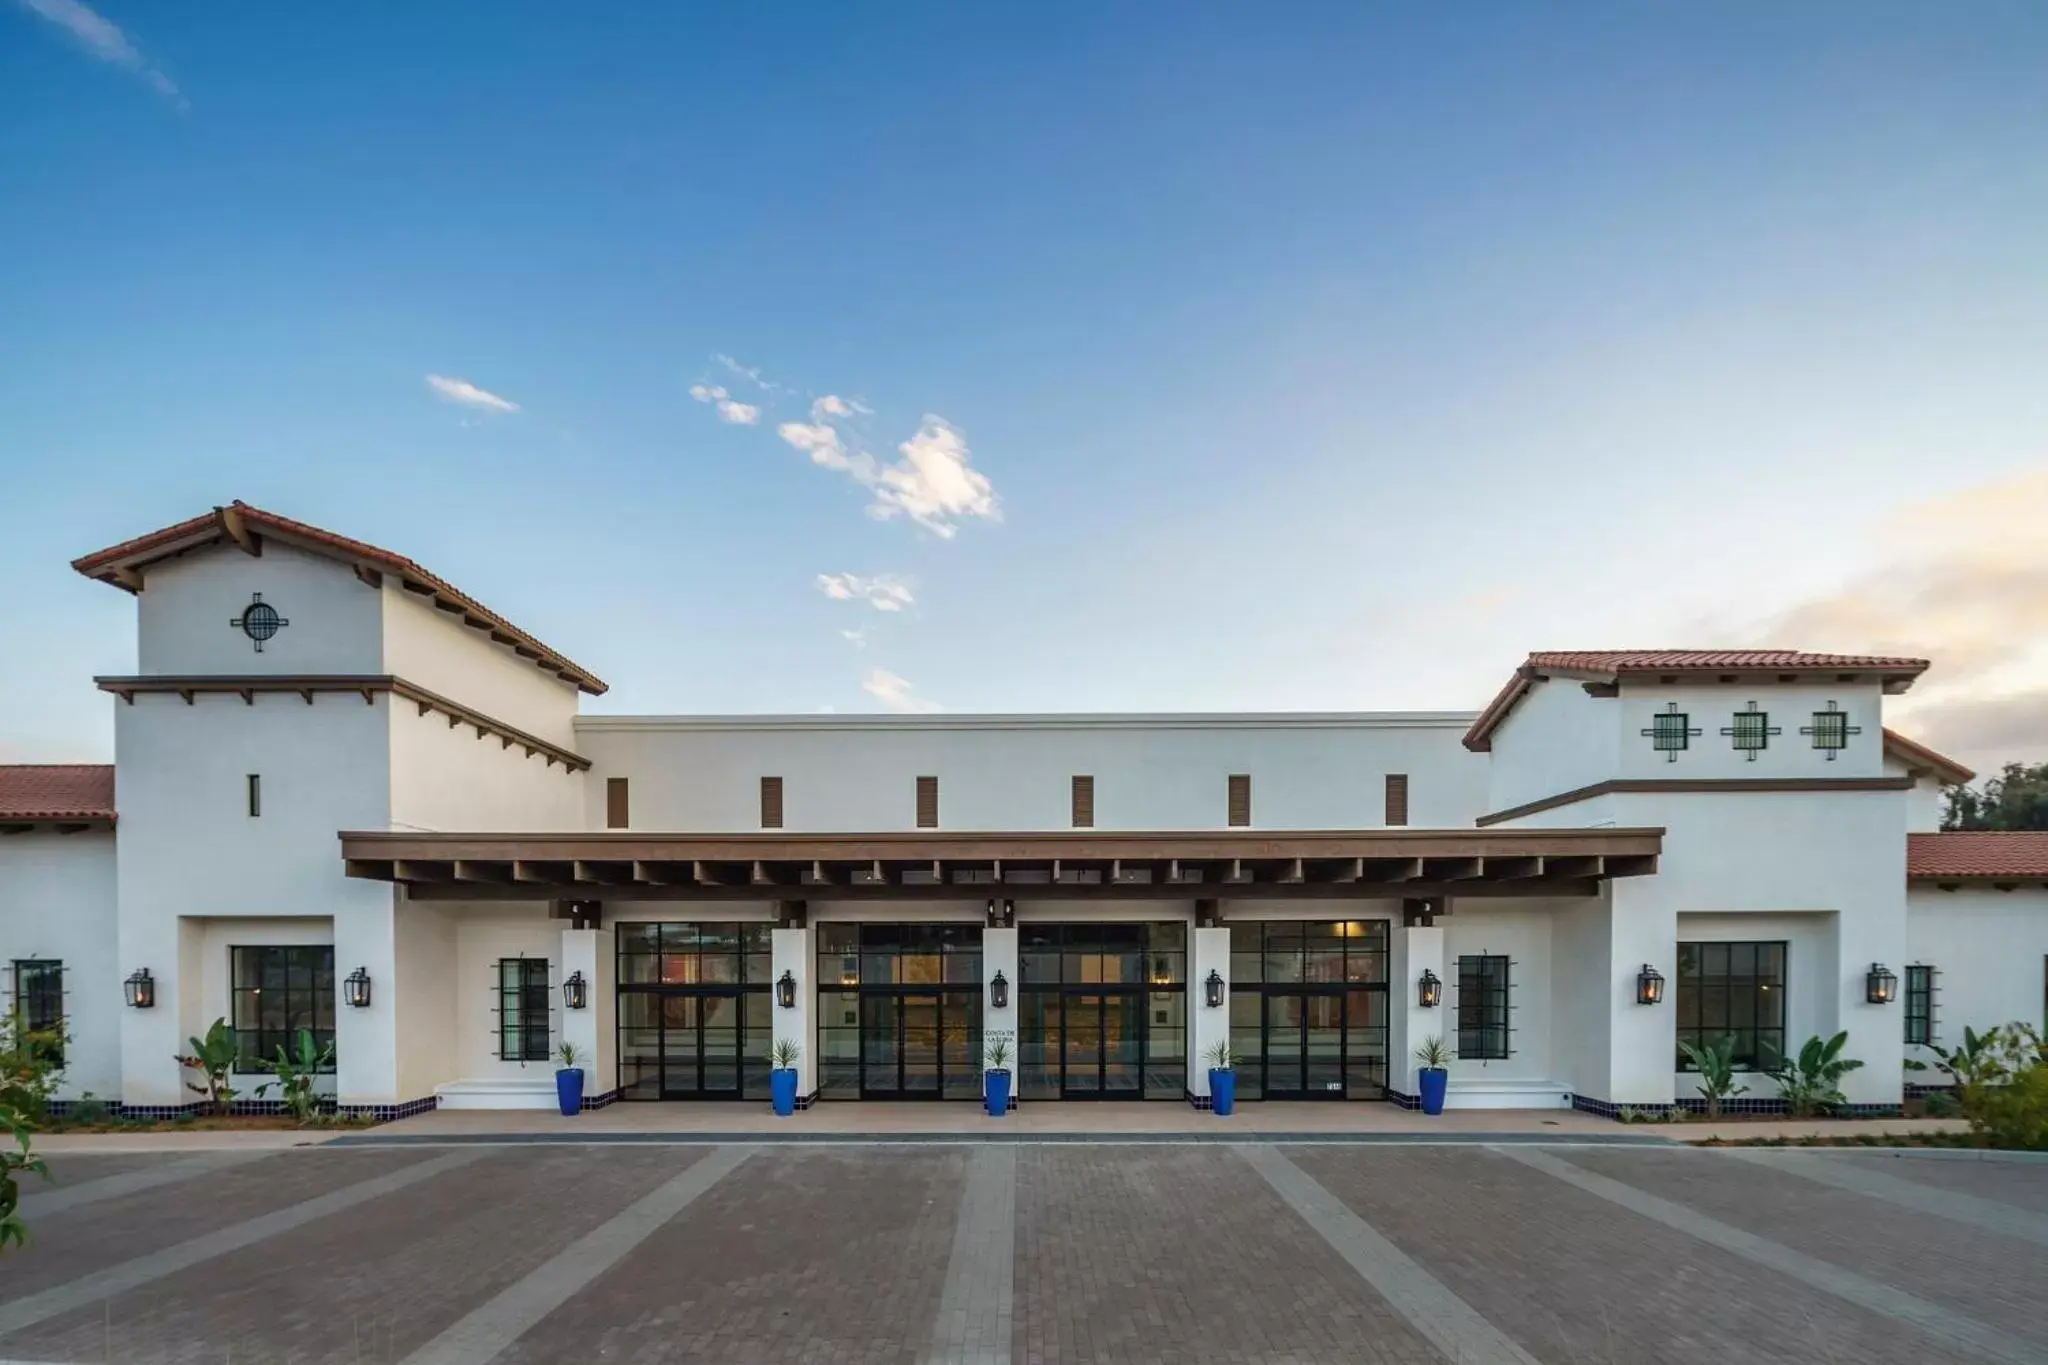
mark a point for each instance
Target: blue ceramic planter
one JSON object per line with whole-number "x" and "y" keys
{"x": 569, "y": 1090}
{"x": 1434, "y": 1081}
{"x": 997, "y": 1084}
{"x": 1222, "y": 1091}
{"x": 782, "y": 1088}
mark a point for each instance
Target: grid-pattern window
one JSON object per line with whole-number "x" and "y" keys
{"x": 1733, "y": 990}
{"x": 927, "y": 803}
{"x": 39, "y": 1002}
{"x": 618, "y": 809}
{"x": 695, "y": 954}
{"x": 1240, "y": 800}
{"x": 1920, "y": 1005}
{"x": 1482, "y": 1007}
{"x": 1397, "y": 799}
{"x": 1084, "y": 802}
{"x": 1830, "y": 729}
{"x": 1751, "y": 731}
{"x": 771, "y": 803}
{"x": 1669, "y": 731}
{"x": 277, "y": 992}
{"x": 1308, "y": 994}
{"x": 523, "y": 1009}
{"x": 893, "y": 959}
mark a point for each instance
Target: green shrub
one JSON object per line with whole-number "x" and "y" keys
{"x": 1715, "y": 1062}
{"x": 1811, "y": 1082}
{"x": 295, "y": 1073}
{"x": 28, "y": 1073}
{"x": 2007, "y": 1105}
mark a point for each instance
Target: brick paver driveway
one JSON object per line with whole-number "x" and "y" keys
{"x": 1475, "y": 1253}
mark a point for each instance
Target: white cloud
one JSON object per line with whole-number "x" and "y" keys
{"x": 857, "y": 638}
{"x": 934, "y": 484}
{"x": 729, "y": 409}
{"x": 105, "y": 40}
{"x": 750, "y": 373}
{"x": 883, "y": 592}
{"x": 832, "y": 405}
{"x": 895, "y": 693}
{"x": 469, "y": 395}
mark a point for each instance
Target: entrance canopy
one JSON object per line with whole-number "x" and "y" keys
{"x": 933, "y": 865}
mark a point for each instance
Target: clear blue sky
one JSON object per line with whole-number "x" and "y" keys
{"x": 1317, "y": 356}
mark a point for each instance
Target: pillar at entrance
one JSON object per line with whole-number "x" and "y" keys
{"x": 1208, "y": 1024}
{"x": 792, "y": 954}
{"x": 999, "y": 954}
{"x": 594, "y": 1028}
{"x": 1412, "y": 950}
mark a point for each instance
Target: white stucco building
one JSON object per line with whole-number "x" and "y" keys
{"x": 332, "y": 764}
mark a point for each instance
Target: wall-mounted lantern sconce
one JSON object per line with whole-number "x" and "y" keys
{"x": 785, "y": 991}
{"x": 1649, "y": 986}
{"x": 1212, "y": 988}
{"x": 1880, "y": 987}
{"x": 355, "y": 988}
{"x": 1429, "y": 992}
{"x": 999, "y": 991}
{"x": 141, "y": 988}
{"x": 576, "y": 991}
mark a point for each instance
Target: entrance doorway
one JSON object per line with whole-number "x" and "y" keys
{"x": 1086, "y": 1045}
{"x": 1302, "y": 1046}
{"x": 899, "y": 1011}
{"x": 1308, "y": 1009}
{"x": 694, "y": 1014}
{"x": 1102, "y": 1012}
{"x": 920, "y": 1045}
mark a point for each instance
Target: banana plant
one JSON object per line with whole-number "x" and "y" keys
{"x": 1811, "y": 1082}
{"x": 295, "y": 1075}
{"x": 214, "y": 1058}
{"x": 1715, "y": 1061}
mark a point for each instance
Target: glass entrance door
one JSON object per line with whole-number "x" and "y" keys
{"x": 1101, "y": 1042}
{"x": 699, "y": 1042}
{"x": 920, "y": 1045}
{"x": 1303, "y": 1045}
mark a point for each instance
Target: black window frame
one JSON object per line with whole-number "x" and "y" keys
{"x": 306, "y": 981}
{"x": 1670, "y": 731}
{"x": 1830, "y": 730}
{"x": 528, "y": 995}
{"x": 39, "y": 1000}
{"x": 1692, "y": 984}
{"x": 1919, "y": 1005}
{"x": 1485, "y": 985}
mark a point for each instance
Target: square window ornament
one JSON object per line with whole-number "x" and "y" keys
{"x": 1670, "y": 730}
{"x": 1751, "y": 731}
{"x": 1831, "y": 730}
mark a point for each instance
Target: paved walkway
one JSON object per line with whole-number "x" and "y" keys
{"x": 1037, "y": 1253}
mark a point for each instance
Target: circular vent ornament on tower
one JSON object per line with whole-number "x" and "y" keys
{"x": 259, "y": 621}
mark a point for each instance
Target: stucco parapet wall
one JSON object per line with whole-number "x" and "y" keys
{"x": 1235, "y": 720}
{"x": 1404, "y": 864}
{"x": 1696, "y": 785}
{"x": 367, "y": 686}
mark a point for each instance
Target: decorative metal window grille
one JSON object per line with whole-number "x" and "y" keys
{"x": 1831, "y": 730}
{"x": 39, "y": 1001}
{"x": 1733, "y": 990}
{"x": 523, "y": 1004}
{"x": 1483, "y": 1008}
{"x": 1751, "y": 731}
{"x": 277, "y": 992}
{"x": 1920, "y": 1005}
{"x": 1670, "y": 731}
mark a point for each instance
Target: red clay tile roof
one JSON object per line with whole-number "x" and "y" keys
{"x": 1610, "y": 665}
{"x": 56, "y": 793}
{"x": 1921, "y": 758}
{"x": 1960, "y": 855}
{"x": 122, "y": 566}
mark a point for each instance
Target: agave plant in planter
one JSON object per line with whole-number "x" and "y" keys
{"x": 783, "y": 1056}
{"x": 995, "y": 1074}
{"x": 1222, "y": 1079}
{"x": 1434, "y": 1076}
{"x": 569, "y": 1080}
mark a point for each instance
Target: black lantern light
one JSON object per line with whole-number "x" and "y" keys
{"x": 1649, "y": 986}
{"x": 576, "y": 991}
{"x": 1429, "y": 992}
{"x": 785, "y": 990}
{"x": 999, "y": 991}
{"x": 141, "y": 988}
{"x": 355, "y": 988}
{"x": 1212, "y": 988}
{"x": 1880, "y": 987}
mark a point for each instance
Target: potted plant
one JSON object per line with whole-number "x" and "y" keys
{"x": 1222, "y": 1080}
{"x": 569, "y": 1080}
{"x": 783, "y": 1055}
{"x": 1435, "y": 1075}
{"x": 995, "y": 1075}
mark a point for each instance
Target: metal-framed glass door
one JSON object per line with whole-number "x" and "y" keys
{"x": 1094, "y": 1043}
{"x": 1303, "y": 1045}
{"x": 690, "y": 1045}
{"x": 920, "y": 1045}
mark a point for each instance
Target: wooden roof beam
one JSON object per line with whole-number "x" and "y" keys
{"x": 236, "y": 531}
{"x": 468, "y": 871}
{"x": 408, "y": 870}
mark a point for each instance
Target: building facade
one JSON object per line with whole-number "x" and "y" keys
{"x": 350, "y": 798}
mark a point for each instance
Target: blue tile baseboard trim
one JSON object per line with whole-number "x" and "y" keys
{"x": 1733, "y": 1108}
{"x": 591, "y": 1102}
{"x": 115, "y": 1109}
{"x": 1586, "y": 1104}
{"x": 385, "y": 1113}
{"x": 1201, "y": 1102}
{"x": 1401, "y": 1101}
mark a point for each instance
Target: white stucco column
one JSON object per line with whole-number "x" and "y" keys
{"x": 152, "y": 1039}
{"x": 1874, "y": 934}
{"x": 1643, "y": 1046}
{"x": 1207, "y": 1025}
{"x": 593, "y": 1029}
{"x": 792, "y": 954}
{"x": 999, "y": 954}
{"x": 1411, "y": 951}
{"x": 366, "y": 1038}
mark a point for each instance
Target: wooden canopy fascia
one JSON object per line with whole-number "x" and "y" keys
{"x": 247, "y": 528}
{"x": 928, "y": 865}
{"x": 367, "y": 686}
